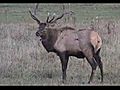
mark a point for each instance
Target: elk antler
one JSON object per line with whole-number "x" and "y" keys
{"x": 34, "y": 17}
{"x": 52, "y": 20}
{"x": 49, "y": 21}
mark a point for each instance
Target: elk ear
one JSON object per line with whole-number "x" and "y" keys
{"x": 34, "y": 17}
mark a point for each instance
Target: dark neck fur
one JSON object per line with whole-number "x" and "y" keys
{"x": 51, "y": 37}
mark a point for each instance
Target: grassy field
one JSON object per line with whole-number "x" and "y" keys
{"x": 24, "y": 61}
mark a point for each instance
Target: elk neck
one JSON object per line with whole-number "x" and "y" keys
{"x": 50, "y": 39}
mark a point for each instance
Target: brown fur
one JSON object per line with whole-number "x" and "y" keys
{"x": 67, "y": 41}
{"x": 68, "y": 37}
{"x": 82, "y": 43}
{"x": 95, "y": 40}
{"x": 70, "y": 42}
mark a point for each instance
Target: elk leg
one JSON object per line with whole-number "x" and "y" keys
{"x": 88, "y": 52}
{"x": 93, "y": 65}
{"x": 64, "y": 62}
{"x": 100, "y": 64}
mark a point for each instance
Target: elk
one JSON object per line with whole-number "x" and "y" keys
{"x": 67, "y": 41}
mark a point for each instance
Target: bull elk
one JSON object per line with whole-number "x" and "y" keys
{"x": 67, "y": 41}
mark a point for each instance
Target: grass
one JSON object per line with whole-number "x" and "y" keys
{"x": 19, "y": 12}
{"x": 24, "y": 61}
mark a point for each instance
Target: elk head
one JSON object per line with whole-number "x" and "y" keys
{"x": 43, "y": 25}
